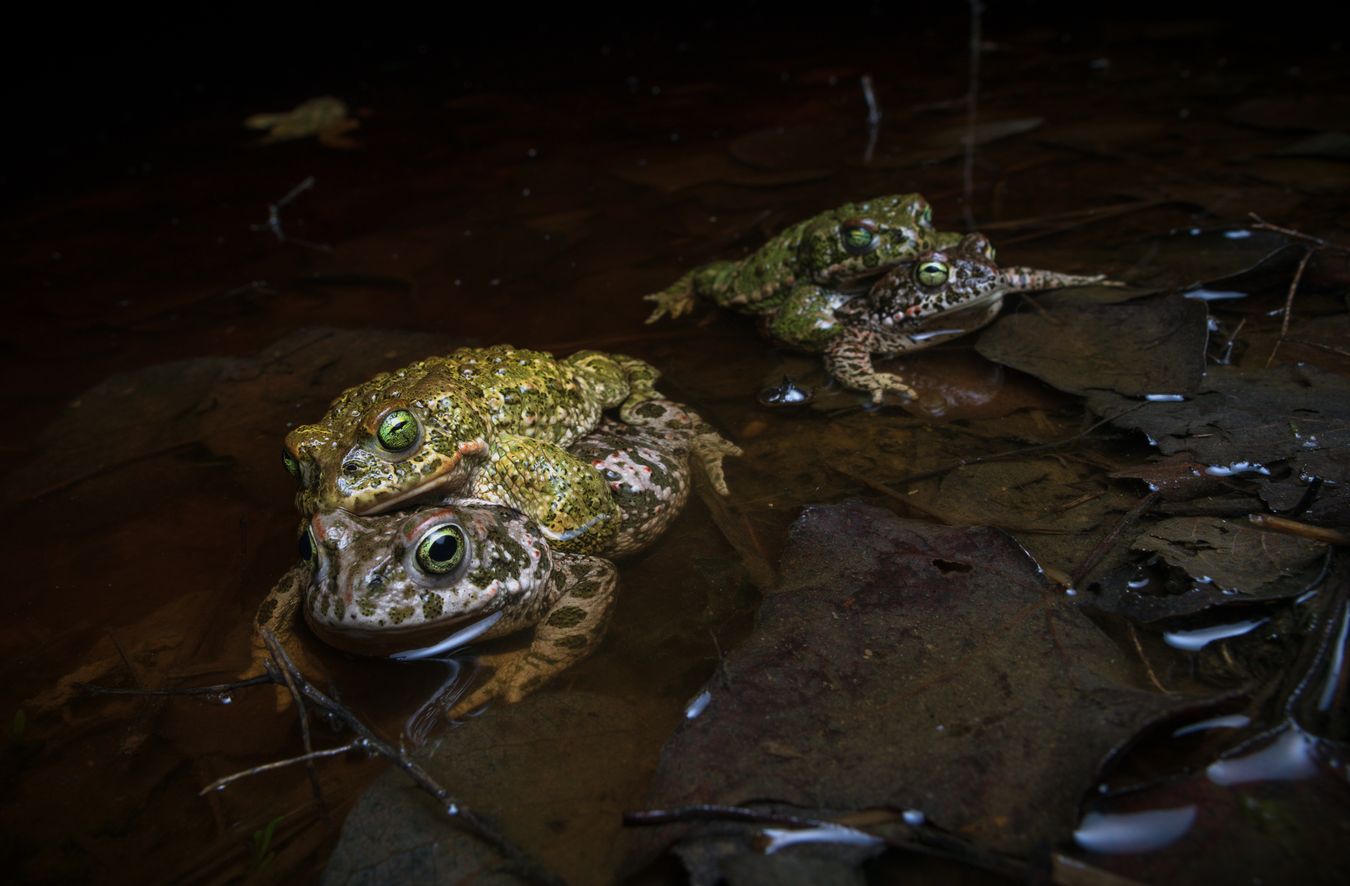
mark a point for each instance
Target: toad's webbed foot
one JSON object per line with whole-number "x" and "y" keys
{"x": 675, "y": 300}
{"x": 709, "y": 448}
{"x": 569, "y": 632}
{"x": 879, "y": 383}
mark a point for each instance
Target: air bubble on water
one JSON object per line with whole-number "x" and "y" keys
{"x": 1237, "y": 467}
{"x": 1230, "y": 721}
{"x": 1195, "y": 640}
{"x": 1133, "y": 832}
{"x": 1287, "y": 758}
{"x": 698, "y": 705}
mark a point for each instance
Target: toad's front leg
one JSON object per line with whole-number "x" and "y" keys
{"x": 563, "y": 494}
{"x": 568, "y": 632}
{"x": 848, "y": 358}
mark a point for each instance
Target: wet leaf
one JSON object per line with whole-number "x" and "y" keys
{"x": 1192, "y": 257}
{"x": 1147, "y": 346}
{"x": 910, "y": 666}
{"x": 1035, "y": 494}
{"x": 1238, "y": 557}
{"x": 1240, "y": 416}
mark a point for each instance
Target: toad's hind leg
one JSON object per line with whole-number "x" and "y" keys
{"x": 614, "y": 379}
{"x": 708, "y": 447}
{"x": 711, "y": 281}
{"x": 569, "y": 631}
{"x": 566, "y": 496}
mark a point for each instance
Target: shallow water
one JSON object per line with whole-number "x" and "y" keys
{"x": 531, "y": 194}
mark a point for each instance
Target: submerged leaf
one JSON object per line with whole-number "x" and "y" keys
{"x": 1243, "y": 419}
{"x": 911, "y": 666}
{"x": 1236, "y": 557}
{"x": 1146, "y": 346}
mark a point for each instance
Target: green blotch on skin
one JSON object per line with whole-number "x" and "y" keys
{"x": 566, "y": 617}
{"x": 432, "y": 606}
{"x": 572, "y": 641}
{"x": 584, "y": 591}
{"x": 399, "y": 614}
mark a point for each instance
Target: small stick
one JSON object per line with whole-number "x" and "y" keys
{"x": 307, "y": 758}
{"x": 274, "y": 649}
{"x": 217, "y": 689}
{"x": 1148, "y": 668}
{"x": 1296, "y": 234}
{"x": 1289, "y": 302}
{"x": 1285, "y": 526}
{"x": 1011, "y": 453}
{"x": 1099, "y": 551}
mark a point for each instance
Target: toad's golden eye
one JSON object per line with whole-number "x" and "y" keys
{"x": 292, "y": 466}
{"x": 398, "y": 430}
{"x": 932, "y": 273}
{"x": 441, "y": 549}
{"x": 309, "y": 551}
{"x": 859, "y": 237}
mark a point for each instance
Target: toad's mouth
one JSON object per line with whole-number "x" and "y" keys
{"x": 444, "y": 477}
{"x": 405, "y": 643}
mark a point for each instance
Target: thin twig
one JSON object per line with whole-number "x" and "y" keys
{"x": 219, "y": 689}
{"x": 1289, "y": 302}
{"x": 1227, "y": 357}
{"x": 279, "y": 654}
{"x": 1011, "y": 453}
{"x": 1285, "y": 526}
{"x": 283, "y": 671}
{"x": 1292, "y": 233}
{"x": 306, "y": 758}
{"x": 1148, "y": 668}
{"x": 476, "y": 824}
{"x": 1100, "y": 549}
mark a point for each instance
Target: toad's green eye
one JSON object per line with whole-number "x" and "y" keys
{"x": 397, "y": 431}
{"x": 292, "y": 466}
{"x": 926, "y": 217}
{"x": 441, "y": 549}
{"x": 932, "y": 273}
{"x": 309, "y": 552}
{"x": 859, "y": 238}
